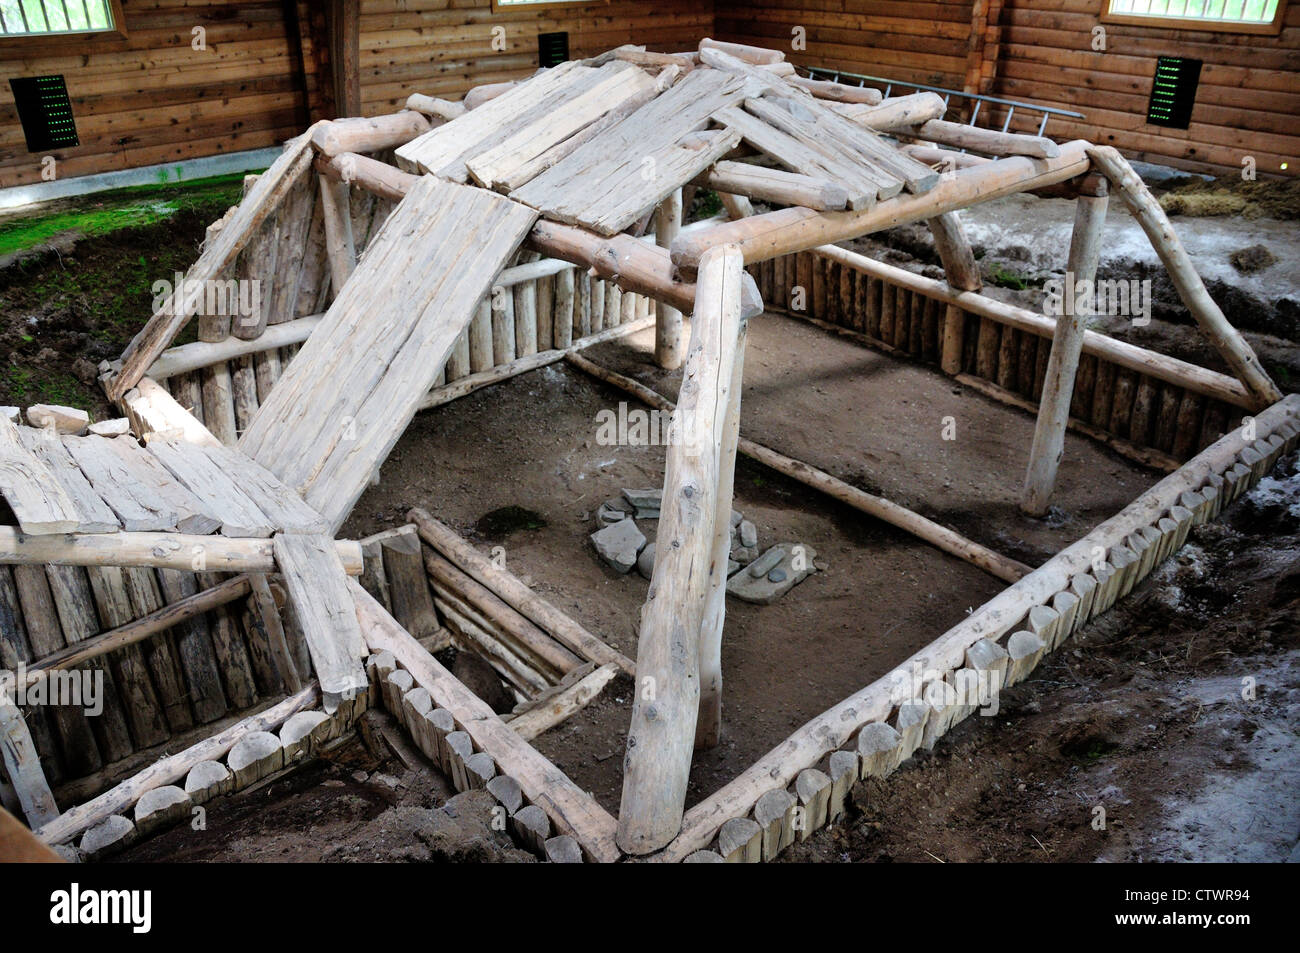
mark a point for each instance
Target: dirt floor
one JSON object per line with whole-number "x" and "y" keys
{"x": 1151, "y": 692}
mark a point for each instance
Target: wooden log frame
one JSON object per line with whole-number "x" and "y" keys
{"x": 629, "y": 262}
{"x": 571, "y": 809}
{"x": 662, "y": 732}
{"x": 171, "y": 769}
{"x": 773, "y": 234}
{"x": 1171, "y": 370}
{"x": 262, "y": 201}
{"x": 1001, "y": 616}
{"x": 511, "y": 590}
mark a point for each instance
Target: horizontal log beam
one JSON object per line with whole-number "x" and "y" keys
{"x": 522, "y": 365}
{"x": 141, "y": 628}
{"x": 200, "y": 354}
{"x": 796, "y": 229}
{"x": 180, "y": 551}
{"x": 774, "y": 185}
{"x": 630, "y": 263}
{"x": 369, "y": 134}
{"x": 988, "y": 141}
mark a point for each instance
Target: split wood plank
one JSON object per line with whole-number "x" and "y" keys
{"x": 93, "y": 514}
{"x": 832, "y": 156}
{"x": 570, "y": 808}
{"x": 285, "y": 508}
{"x": 154, "y": 411}
{"x": 608, "y": 183}
{"x": 151, "y": 481}
{"x": 36, "y": 496}
{"x": 615, "y": 82}
{"x": 443, "y": 151}
{"x": 344, "y": 400}
{"x": 119, "y": 485}
{"x": 799, "y": 158}
{"x": 214, "y": 488}
{"x": 261, "y": 202}
{"x": 317, "y": 586}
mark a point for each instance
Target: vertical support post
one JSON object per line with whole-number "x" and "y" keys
{"x": 668, "y": 321}
{"x": 1067, "y": 345}
{"x": 708, "y": 730}
{"x": 961, "y": 272}
{"x": 339, "y": 246}
{"x": 665, "y": 706}
{"x": 23, "y": 765}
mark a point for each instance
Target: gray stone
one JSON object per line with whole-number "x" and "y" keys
{"x": 111, "y": 428}
{"x": 645, "y": 563}
{"x": 10, "y": 414}
{"x": 619, "y": 544}
{"x": 735, "y": 518}
{"x": 613, "y": 511}
{"x": 773, "y": 574}
{"x": 647, "y": 503}
{"x": 767, "y": 562}
{"x": 748, "y": 534}
{"x": 732, "y": 566}
{"x": 69, "y": 420}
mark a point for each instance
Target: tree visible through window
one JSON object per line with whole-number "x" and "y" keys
{"x": 42, "y": 17}
{"x": 1238, "y": 15}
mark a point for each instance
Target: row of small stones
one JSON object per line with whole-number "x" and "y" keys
{"x": 444, "y": 742}
{"x": 255, "y": 756}
{"x": 819, "y": 797}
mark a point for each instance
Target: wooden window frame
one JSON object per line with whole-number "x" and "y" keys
{"x": 1192, "y": 23}
{"x": 56, "y": 44}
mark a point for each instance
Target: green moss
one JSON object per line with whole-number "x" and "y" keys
{"x": 120, "y": 208}
{"x": 1005, "y": 278}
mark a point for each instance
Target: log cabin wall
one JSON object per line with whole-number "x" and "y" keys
{"x": 432, "y": 47}
{"x": 925, "y": 42}
{"x": 1248, "y": 101}
{"x": 150, "y": 97}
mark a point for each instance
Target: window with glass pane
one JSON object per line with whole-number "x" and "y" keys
{"x": 44, "y": 17}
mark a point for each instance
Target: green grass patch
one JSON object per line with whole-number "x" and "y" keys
{"x": 107, "y": 212}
